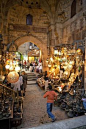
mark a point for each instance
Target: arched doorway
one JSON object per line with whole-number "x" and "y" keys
{"x": 40, "y": 44}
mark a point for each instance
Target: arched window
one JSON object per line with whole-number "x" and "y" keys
{"x": 73, "y": 8}
{"x": 29, "y": 19}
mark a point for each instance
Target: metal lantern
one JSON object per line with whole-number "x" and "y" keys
{"x": 55, "y": 52}
{"x": 13, "y": 77}
{"x": 17, "y": 68}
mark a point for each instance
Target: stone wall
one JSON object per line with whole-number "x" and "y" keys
{"x": 69, "y": 29}
{"x": 74, "y": 29}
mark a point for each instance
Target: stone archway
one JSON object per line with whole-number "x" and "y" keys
{"x": 42, "y": 46}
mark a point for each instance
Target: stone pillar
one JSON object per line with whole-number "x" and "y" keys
{"x": 50, "y": 39}
{"x": 44, "y": 63}
{"x": 53, "y": 35}
{"x": 58, "y": 34}
{"x": 85, "y": 68}
{"x": 5, "y": 30}
{"x": 48, "y": 42}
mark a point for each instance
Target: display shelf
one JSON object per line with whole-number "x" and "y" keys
{"x": 7, "y": 114}
{"x": 16, "y": 121}
{"x": 8, "y": 97}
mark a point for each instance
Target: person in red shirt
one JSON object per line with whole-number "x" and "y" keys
{"x": 51, "y": 96}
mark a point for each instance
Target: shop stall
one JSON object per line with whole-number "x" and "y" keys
{"x": 66, "y": 72}
{"x": 66, "y": 67}
{"x": 11, "y": 104}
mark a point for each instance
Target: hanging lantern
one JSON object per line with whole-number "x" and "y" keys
{"x": 7, "y": 66}
{"x": 55, "y": 52}
{"x": 11, "y": 68}
{"x": 13, "y": 77}
{"x": 49, "y": 65}
{"x": 71, "y": 62}
{"x": 64, "y": 58}
{"x": 70, "y": 67}
{"x": 51, "y": 59}
{"x": 60, "y": 89}
{"x": 17, "y": 68}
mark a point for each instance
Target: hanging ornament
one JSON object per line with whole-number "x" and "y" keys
{"x": 13, "y": 77}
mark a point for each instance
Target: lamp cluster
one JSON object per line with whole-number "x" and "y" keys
{"x": 65, "y": 65}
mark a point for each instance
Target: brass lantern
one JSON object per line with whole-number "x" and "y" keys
{"x": 13, "y": 77}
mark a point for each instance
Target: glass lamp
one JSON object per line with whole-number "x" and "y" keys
{"x": 17, "y": 68}
{"x": 55, "y": 52}
{"x": 7, "y": 66}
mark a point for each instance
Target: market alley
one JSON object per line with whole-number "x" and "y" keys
{"x": 34, "y": 106}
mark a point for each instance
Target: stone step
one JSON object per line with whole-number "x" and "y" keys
{"x": 28, "y": 79}
{"x": 31, "y": 79}
{"x": 31, "y": 82}
{"x": 31, "y": 76}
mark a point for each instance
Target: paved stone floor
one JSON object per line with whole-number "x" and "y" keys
{"x": 35, "y": 116}
{"x": 82, "y": 127}
{"x": 35, "y": 108}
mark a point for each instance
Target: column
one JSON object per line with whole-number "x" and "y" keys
{"x": 5, "y": 30}
{"x": 44, "y": 64}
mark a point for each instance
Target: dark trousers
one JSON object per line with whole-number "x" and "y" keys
{"x": 49, "y": 111}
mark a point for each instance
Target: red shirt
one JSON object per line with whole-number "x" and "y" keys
{"x": 51, "y": 96}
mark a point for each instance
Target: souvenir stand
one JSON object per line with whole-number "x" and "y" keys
{"x": 66, "y": 70}
{"x": 11, "y": 104}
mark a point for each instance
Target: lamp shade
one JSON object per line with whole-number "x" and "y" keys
{"x": 13, "y": 77}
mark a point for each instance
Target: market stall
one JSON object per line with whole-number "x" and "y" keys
{"x": 66, "y": 74}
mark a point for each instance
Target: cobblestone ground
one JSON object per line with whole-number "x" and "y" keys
{"x": 35, "y": 108}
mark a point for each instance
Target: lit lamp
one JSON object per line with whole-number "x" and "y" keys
{"x": 55, "y": 52}
{"x": 17, "y": 68}
{"x": 55, "y": 66}
{"x": 7, "y": 66}
{"x": 60, "y": 89}
{"x": 70, "y": 66}
{"x": 71, "y": 62}
{"x": 11, "y": 68}
{"x": 66, "y": 72}
{"x": 49, "y": 65}
{"x": 51, "y": 59}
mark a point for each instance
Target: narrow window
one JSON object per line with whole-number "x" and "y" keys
{"x": 73, "y": 8}
{"x": 29, "y": 19}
